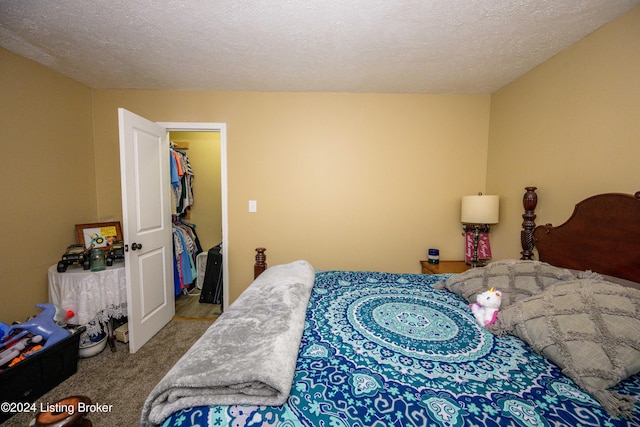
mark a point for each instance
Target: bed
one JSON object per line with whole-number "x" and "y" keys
{"x": 303, "y": 347}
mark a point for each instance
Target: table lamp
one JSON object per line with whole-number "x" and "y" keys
{"x": 476, "y": 214}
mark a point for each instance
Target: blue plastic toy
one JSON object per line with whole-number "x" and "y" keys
{"x": 43, "y": 324}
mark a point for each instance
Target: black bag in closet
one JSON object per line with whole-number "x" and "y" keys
{"x": 212, "y": 283}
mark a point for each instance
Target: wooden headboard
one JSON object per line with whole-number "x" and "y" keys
{"x": 602, "y": 235}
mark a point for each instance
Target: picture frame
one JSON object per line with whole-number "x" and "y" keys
{"x": 98, "y": 234}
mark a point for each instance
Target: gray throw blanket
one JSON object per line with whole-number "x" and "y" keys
{"x": 248, "y": 356}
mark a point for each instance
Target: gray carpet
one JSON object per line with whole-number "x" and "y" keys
{"x": 121, "y": 379}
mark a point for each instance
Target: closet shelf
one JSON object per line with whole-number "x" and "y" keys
{"x": 180, "y": 145}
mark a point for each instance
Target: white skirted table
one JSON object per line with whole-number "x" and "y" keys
{"x": 94, "y": 297}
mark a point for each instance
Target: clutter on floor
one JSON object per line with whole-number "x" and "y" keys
{"x": 36, "y": 356}
{"x": 122, "y": 333}
{"x": 92, "y": 345}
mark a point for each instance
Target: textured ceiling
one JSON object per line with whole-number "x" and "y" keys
{"x": 415, "y": 46}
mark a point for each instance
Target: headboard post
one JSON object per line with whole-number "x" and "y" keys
{"x": 529, "y": 201}
{"x": 261, "y": 262}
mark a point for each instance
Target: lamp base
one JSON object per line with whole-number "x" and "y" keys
{"x": 472, "y": 251}
{"x": 479, "y": 263}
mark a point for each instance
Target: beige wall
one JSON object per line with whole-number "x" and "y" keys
{"x": 47, "y": 174}
{"x": 571, "y": 127}
{"x": 204, "y": 157}
{"x": 346, "y": 181}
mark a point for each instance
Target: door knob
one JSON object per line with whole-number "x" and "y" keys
{"x": 135, "y": 246}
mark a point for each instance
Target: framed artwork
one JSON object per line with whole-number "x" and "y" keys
{"x": 98, "y": 234}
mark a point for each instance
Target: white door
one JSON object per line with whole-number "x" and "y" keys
{"x": 146, "y": 223}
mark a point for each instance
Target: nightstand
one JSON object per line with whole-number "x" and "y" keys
{"x": 444, "y": 267}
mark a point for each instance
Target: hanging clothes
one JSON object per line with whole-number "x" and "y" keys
{"x": 181, "y": 180}
{"x": 186, "y": 247}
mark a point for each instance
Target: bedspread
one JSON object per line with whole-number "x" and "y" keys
{"x": 248, "y": 355}
{"x": 383, "y": 349}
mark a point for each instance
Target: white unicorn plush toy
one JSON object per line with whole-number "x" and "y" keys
{"x": 486, "y": 308}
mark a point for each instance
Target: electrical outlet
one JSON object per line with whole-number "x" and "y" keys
{"x": 253, "y": 206}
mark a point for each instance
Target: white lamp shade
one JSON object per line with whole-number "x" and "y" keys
{"x": 480, "y": 209}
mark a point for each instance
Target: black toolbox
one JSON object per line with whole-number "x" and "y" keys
{"x": 37, "y": 374}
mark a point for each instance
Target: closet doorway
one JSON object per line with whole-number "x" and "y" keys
{"x": 204, "y": 216}
{"x": 208, "y": 149}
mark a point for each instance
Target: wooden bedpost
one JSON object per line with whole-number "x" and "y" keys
{"x": 529, "y": 201}
{"x": 261, "y": 262}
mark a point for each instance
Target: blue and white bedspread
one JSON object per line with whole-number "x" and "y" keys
{"x": 383, "y": 349}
